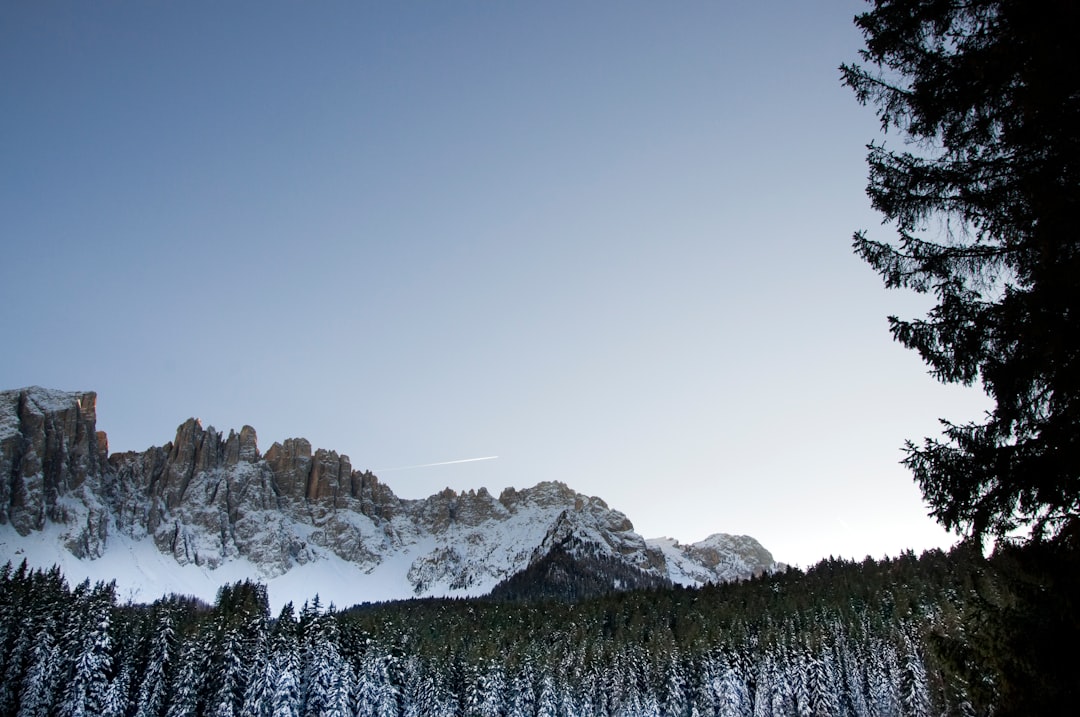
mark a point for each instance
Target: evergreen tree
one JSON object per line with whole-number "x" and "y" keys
{"x": 117, "y": 696}
{"x": 484, "y": 689}
{"x": 91, "y": 642}
{"x": 986, "y": 207}
{"x": 732, "y": 696}
{"x": 45, "y": 604}
{"x": 284, "y": 666}
{"x": 882, "y": 682}
{"x": 523, "y": 690}
{"x": 227, "y": 672}
{"x": 326, "y": 679}
{"x": 804, "y": 688}
{"x": 259, "y": 692}
{"x": 17, "y": 603}
{"x": 376, "y": 693}
{"x": 547, "y": 698}
{"x": 676, "y": 697}
{"x": 39, "y": 686}
{"x": 421, "y": 693}
{"x": 824, "y": 684}
{"x": 775, "y": 694}
{"x": 154, "y": 685}
{"x": 186, "y": 694}
{"x": 914, "y": 690}
{"x": 988, "y": 91}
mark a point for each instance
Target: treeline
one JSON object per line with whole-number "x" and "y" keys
{"x": 842, "y": 638}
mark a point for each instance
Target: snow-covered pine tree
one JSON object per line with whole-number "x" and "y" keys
{"x": 850, "y": 671}
{"x": 153, "y": 687}
{"x": 259, "y": 693}
{"x": 772, "y": 696}
{"x": 324, "y": 695}
{"x": 228, "y": 671}
{"x": 676, "y": 697}
{"x": 39, "y": 686}
{"x": 822, "y": 678}
{"x": 259, "y": 689}
{"x": 547, "y": 698}
{"x": 91, "y": 647}
{"x": 881, "y": 679}
{"x": 733, "y": 697}
{"x": 914, "y": 687}
{"x": 186, "y": 698}
{"x": 284, "y": 667}
{"x": 421, "y": 692}
{"x": 376, "y": 692}
{"x": 118, "y": 695}
{"x": 523, "y": 688}
{"x": 18, "y": 605}
{"x": 484, "y": 690}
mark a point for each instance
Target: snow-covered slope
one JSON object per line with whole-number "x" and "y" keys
{"x": 206, "y": 510}
{"x": 718, "y": 558}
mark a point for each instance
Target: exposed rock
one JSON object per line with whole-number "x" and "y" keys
{"x": 330, "y": 473}
{"x": 242, "y": 447}
{"x": 290, "y": 462}
{"x": 49, "y": 446}
{"x": 207, "y": 500}
{"x": 718, "y": 558}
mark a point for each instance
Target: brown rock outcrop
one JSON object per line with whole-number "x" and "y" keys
{"x": 290, "y": 462}
{"x": 49, "y": 446}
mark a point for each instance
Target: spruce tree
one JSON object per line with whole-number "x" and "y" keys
{"x": 39, "y": 685}
{"x": 90, "y": 642}
{"x": 284, "y": 666}
{"x": 985, "y": 201}
{"x": 17, "y": 605}
{"x": 186, "y": 696}
{"x": 326, "y": 677}
{"x": 153, "y": 689}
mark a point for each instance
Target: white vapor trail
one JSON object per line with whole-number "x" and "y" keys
{"x": 440, "y": 463}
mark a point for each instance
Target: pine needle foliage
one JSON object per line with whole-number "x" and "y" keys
{"x": 984, "y": 198}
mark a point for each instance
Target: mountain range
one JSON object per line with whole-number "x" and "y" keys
{"x": 207, "y": 509}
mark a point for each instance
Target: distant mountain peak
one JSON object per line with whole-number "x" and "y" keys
{"x": 206, "y": 508}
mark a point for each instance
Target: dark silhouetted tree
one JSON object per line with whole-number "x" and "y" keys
{"x": 986, "y": 202}
{"x": 984, "y": 198}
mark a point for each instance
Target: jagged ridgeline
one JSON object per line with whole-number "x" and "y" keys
{"x": 842, "y": 639}
{"x": 207, "y": 509}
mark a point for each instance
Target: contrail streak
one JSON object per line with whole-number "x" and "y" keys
{"x": 440, "y": 463}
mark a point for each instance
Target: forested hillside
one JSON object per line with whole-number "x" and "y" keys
{"x": 841, "y": 639}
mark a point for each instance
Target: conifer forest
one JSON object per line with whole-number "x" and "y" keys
{"x": 874, "y": 638}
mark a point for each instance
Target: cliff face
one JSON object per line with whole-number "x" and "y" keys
{"x": 49, "y": 447}
{"x": 208, "y": 500}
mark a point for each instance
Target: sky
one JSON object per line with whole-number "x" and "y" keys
{"x": 607, "y": 242}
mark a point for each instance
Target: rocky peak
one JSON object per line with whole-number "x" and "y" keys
{"x": 290, "y": 462}
{"x": 721, "y": 547}
{"x": 448, "y": 509}
{"x": 546, "y": 494}
{"x": 242, "y": 447}
{"x": 375, "y": 499}
{"x": 207, "y": 500}
{"x": 49, "y": 446}
{"x": 718, "y": 558}
{"x": 330, "y": 477}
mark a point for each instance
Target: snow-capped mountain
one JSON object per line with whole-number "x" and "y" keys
{"x": 207, "y": 509}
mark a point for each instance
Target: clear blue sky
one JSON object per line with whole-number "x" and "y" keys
{"x": 608, "y": 242}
